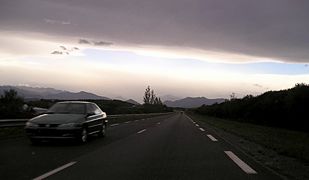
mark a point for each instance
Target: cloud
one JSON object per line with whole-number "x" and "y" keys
{"x": 57, "y": 52}
{"x": 96, "y": 43}
{"x": 102, "y": 43}
{"x": 84, "y": 41}
{"x": 65, "y": 50}
{"x": 52, "y": 21}
{"x": 258, "y": 85}
{"x": 264, "y": 28}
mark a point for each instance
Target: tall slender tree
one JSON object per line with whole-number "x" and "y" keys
{"x": 147, "y": 95}
{"x": 152, "y": 97}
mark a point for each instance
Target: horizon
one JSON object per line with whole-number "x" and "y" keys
{"x": 109, "y": 49}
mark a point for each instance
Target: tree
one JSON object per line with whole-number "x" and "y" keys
{"x": 152, "y": 97}
{"x": 10, "y": 104}
{"x": 158, "y": 101}
{"x": 233, "y": 96}
{"x": 147, "y": 95}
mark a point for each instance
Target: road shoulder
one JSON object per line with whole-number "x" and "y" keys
{"x": 286, "y": 167}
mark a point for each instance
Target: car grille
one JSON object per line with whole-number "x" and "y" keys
{"x": 48, "y": 125}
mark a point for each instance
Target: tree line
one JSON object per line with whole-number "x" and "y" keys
{"x": 14, "y": 106}
{"x": 285, "y": 108}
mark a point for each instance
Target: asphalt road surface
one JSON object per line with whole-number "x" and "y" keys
{"x": 166, "y": 147}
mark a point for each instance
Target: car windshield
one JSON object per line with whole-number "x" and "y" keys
{"x": 68, "y": 108}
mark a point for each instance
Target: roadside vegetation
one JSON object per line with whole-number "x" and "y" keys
{"x": 285, "y": 109}
{"x": 13, "y": 106}
{"x": 284, "y": 142}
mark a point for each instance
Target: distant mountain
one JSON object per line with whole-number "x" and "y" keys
{"x": 169, "y": 98}
{"x": 50, "y": 93}
{"x": 192, "y": 102}
{"x": 120, "y": 98}
{"x": 132, "y": 102}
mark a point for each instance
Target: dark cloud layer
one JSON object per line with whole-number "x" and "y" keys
{"x": 268, "y": 28}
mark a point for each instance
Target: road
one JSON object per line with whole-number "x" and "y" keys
{"x": 166, "y": 147}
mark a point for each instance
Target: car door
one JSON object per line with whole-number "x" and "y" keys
{"x": 94, "y": 119}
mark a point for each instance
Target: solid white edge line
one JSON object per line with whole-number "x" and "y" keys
{"x": 202, "y": 129}
{"x": 245, "y": 167}
{"x": 54, "y": 171}
{"x": 141, "y": 131}
{"x": 114, "y": 125}
{"x": 211, "y": 137}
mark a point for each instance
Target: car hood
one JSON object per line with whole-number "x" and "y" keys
{"x": 58, "y": 118}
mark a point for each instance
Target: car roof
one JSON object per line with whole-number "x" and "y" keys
{"x": 76, "y": 102}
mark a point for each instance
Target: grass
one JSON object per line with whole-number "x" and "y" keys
{"x": 285, "y": 142}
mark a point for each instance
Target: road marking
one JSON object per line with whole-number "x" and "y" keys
{"x": 114, "y": 125}
{"x": 189, "y": 118}
{"x": 141, "y": 131}
{"x": 212, "y": 138}
{"x": 158, "y": 123}
{"x": 127, "y": 122}
{"x": 54, "y": 171}
{"x": 135, "y": 120}
{"x": 197, "y": 125}
{"x": 245, "y": 167}
{"x": 202, "y": 129}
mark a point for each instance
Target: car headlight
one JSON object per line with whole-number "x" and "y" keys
{"x": 68, "y": 125}
{"x": 31, "y": 124}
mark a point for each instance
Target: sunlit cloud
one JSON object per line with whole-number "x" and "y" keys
{"x": 52, "y": 21}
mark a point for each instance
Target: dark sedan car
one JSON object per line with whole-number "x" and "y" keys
{"x": 68, "y": 120}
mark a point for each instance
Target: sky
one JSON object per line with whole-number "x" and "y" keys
{"x": 113, "y": 48}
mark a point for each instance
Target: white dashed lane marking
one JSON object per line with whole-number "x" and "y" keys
{"x": 141, "y": 131}
{"x": 212, "y": 138}
{"x": 202, "y": 129}
{"x": 54, "y": 171}
{"x": 245, "y": 167}
{"x": 114, "y": 125}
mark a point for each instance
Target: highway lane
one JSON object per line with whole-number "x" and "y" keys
{"x": 20, "y": 160}
{"x": 172, "y": 148}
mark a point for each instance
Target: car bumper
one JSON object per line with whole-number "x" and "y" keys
{"x": 48, "y": 133}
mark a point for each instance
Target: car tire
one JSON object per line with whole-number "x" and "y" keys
{"x": 102, "y": 132}
{"x": 83, "y": 137}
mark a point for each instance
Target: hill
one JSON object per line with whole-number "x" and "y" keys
{"x": 192, "y": 102}
{"x": 285, "y": 108}
{"x": 29, "y": 93}
{"x": 132, "y": 102}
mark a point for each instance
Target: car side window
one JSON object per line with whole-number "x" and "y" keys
{"x": 97, "y": 110}
{"x": 90, "y": 109}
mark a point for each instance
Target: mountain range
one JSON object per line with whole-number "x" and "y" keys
{"x": 193, "y": 102}
{"x": 50, "y": 93}
{"x": 30, "y": 93}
